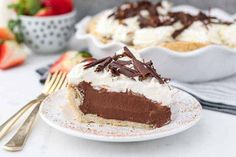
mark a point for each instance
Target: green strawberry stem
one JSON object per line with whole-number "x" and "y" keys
{"x": 15, "y": 27}
{"x": 85, "y": 54}
{"x": 26, "y": 7}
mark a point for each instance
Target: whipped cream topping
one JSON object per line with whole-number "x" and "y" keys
{"x": 153, "y": 36}
{"x": 150, "y": 87}
{"x": 128, "y": 29}
{"x": 111, "y": 28}
{"x": 106, "y": 26}
{"x": 124, "y": 30}
{"x": 166, "y": 7}
{"x": 197, "y": 32}
{"x": 214, "y": 33}
{"x": 228, "y": 35}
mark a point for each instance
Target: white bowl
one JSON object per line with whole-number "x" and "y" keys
{"x": 204, "y": 64}
{"x": 48, "y": 34}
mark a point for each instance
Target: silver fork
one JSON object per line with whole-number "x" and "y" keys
{"x": 53, "y": 83}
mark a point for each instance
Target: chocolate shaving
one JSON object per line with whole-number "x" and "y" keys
{"x": 155, "y": 19}
{"x": 128, "y": 53}
{"x": 116, "y": 57}
{"x": 154, "y": 74}
{"x": 93, "y": 63}
{"x": 166, "y": 79}
{"x": 149, "y": 63}
{"x": 102, "y": 65}
{"x": 122, "y": 70}
{"x": 115, "y": 72}
{"x": 179, "y": 31}
{"x": 120, "y": 62}
{"x": 139, "y": 66}
{"x": 187, "y": 20}
{"x": 129, "y": 68}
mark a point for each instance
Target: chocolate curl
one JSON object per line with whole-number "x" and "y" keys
{"x": 93, "y": 63}
{"x": 144, "y": 69}
{"x": 114, "y": 72}
{"x": 150, "y": 22}
{"x": 169, "y": 22}
{"x": 176, "y": 33}
{"x": 120, "y": 62}
{"x": 153, "y": 19}
{"x": 115, "y": 67}
{"x": 116, "y": 57}
{"x": 141, "y": 68}
{"x": 102, "y": 65}
{"x": 149, "y": 63}
{"x": 187, "y": 20}
{"x": 129, "y": 53}
{"x": 157, "y": 76}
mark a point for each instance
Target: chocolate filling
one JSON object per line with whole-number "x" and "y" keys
{"x": 125, "y": 106}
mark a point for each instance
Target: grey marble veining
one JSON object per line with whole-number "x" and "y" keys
{"x": 85, "y": 7}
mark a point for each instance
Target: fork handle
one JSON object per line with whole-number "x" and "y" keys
{"x": 16, "y": 143}
{"x": 6, "y": 126}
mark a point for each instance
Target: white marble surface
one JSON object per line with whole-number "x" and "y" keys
{"x": 214, "y": 135}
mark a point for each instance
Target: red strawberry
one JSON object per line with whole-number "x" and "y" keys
{"x": 59, "y": 6}
{"x": 6, "y": 34}
{"x": 11, "y": 54}
{"x": 58, "y": 64}
{"x": 45, "y": 12}
{"x": 67, "y": 61}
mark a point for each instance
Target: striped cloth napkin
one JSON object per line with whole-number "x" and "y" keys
{"x": 219, "y": 95}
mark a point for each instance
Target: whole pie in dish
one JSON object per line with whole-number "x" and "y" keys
{"x": 144, "y": 24}
{"x": 121, "y": 90}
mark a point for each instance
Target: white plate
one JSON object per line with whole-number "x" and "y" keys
{"x": 204, "y": 64}
{"x": 186, "y": 112}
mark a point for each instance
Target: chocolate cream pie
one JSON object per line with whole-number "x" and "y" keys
{"x": 144, "y": 24}
{"x": 121, "y": 90}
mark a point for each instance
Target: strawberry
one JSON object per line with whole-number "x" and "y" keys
{"x": 59, "y": 6}
{"x": 45, "y": 12}
{"x": 6, "y": 34}
{"x": 11, "y": 54}
{"x": 68, "y": 60}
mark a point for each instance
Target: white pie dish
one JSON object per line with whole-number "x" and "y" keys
{"x": 186, "y": 112}
{"x": 208, "y": 63}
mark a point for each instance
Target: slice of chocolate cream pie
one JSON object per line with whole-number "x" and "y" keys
{"x": 121, "y": 90}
